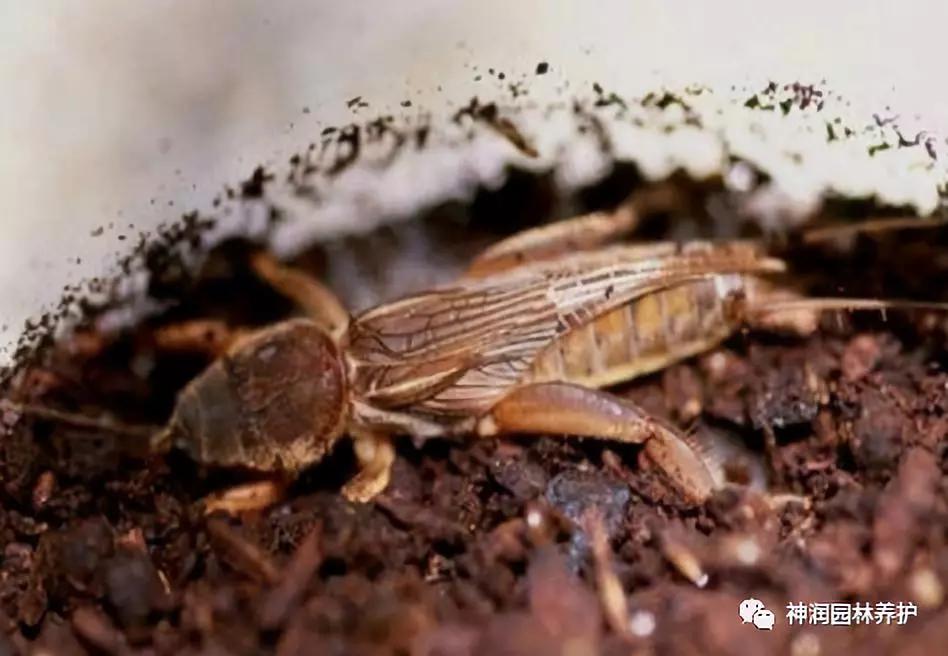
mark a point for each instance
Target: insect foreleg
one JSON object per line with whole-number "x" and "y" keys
{"x": 248, "y": 497}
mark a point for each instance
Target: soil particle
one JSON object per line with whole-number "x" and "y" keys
{"x": 574, "y": 493}
{"x": 524, "y": 479}
{"x": 562, "y": 616}
{"x": 133, "y": 587}
{"x": 286, "y": 595}
{"x": 96, "y": 630}
{"x": 786, "y": 394}
{"x": 879, "y": 432}
{"x": 861, "y": 356}
{"x": 241, "y": 552}
{"x": 72, "y": 560}
{"x": 904, "y": 509}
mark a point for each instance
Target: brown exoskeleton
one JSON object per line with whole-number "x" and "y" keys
{"x": 524, "y": 342}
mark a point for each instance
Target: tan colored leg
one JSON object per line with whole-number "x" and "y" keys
{"x": 549, "y": 241}
{"x": 800, "y": 315}
{"x": 249, "y": 497}
{"x": 375, "y": 454}
{"x": 561, "y": 408}
{"x": 888, "y": 224}
{"x": 209, "y": 336}
{"x": 570, "y": 235}
{"x": 315, "y": 299}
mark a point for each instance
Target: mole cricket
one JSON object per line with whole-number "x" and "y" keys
{"x": 525, "y": 341}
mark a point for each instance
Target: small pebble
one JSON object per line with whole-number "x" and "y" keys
{"x": 860, "y": 357}
{"x": 133, "y": 587}
{"x": 43, "y": 490}
{"x": 747, "y": 551}
{"x": 534, "y": 518}
{"x": 573, "y": 492}
{"x": 642, "y": 623}
{"x": 717, "y": 364}
{"x": 927, "y": 588}
{"x": 96, "y": 629}
{"x": 805, "y": 644}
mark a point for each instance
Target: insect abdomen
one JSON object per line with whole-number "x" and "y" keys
{"x": 642, "y": 336}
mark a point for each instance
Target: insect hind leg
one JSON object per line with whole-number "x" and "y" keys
{"x": 563, "y": 408}
{"x": 799, "y": 315}
{"x": 314, "y": 298}
{"x": 580, "y": 233}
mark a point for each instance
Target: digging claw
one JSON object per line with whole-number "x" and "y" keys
{"x": 246, "y": 498}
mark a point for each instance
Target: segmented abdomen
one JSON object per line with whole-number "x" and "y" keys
{"x": 644, "y": 335}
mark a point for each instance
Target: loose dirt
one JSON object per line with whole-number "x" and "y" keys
{"x": 500, "y": 546}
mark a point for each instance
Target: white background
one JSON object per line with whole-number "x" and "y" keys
{"x": 108, "y": 104}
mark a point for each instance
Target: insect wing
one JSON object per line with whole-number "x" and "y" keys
{"x": 496, "y": 326}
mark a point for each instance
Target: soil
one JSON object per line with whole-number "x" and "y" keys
{"x": 509, "y": 546}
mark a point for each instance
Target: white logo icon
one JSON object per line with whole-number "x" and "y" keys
{"x": 747, "y": 609}
{"x": 752, "y": 611}
{"x": 764, "y": 620}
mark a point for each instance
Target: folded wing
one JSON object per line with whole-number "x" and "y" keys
{"x": 456, "y": 350}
